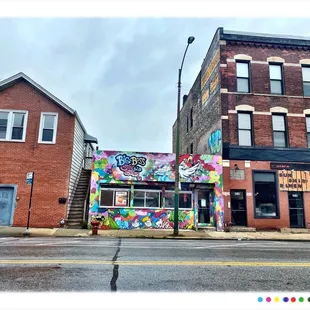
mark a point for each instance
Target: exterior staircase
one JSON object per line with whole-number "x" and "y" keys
{"x": 79, "y": 206}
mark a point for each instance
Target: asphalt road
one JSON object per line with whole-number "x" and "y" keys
{"x": 153, "y": 265}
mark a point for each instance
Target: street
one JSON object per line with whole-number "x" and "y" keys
{"x": 153, "y": 265}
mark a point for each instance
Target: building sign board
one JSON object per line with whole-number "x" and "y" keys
{"x": 297, "y": 181}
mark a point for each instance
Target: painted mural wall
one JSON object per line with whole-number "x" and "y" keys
{"x": 210, "y": 140}
{"x": 112, "y": 167}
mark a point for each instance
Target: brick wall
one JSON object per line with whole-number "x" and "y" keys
{"x": 205, "y": 101}
{"x": 260, "y": 97}
{"x": 51, "y": 162}
{"x": 247, "y": 185}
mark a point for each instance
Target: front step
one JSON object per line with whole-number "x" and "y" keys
{"x": 206, "y": 228}
{"x": 242, "y": 229}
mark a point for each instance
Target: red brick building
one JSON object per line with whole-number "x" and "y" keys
{"x": 251, "y": 103}
{"x": 41, "y": 134}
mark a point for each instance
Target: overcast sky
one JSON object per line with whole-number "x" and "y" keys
{"x": 120, "y": 74}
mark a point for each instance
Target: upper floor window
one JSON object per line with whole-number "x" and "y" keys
{"x": 187, "y": 123}
{"x": 308, "y": 130}
{"x": 279, "y": 130}
{"x": 245, "y": 129}
{"x": 13, "y": 125}
{"x": 306, "y": 80}
{"x": 243, "y": 77}
{"x": 48, "y": 128}
{"x": 276, "y": 79}
{"x": 191, "y": 148}
{"x": 191, "y": 118}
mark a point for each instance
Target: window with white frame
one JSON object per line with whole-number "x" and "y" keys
{"x": 146, "y": 199}
{"x": 308, "y": 130}
{"x": 48, "y": 128}
{"x": 306, "y": 80}
{"x": 276, "y": 79}
{"x": 13, "y": 125}
{"x": 185, "y": 200}
{"x": 245, "y": 129}
{"x": 279, "y": 130}
{"x": 243, "y": 77}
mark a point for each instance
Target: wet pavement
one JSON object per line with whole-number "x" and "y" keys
{"x": 84, "y": 264}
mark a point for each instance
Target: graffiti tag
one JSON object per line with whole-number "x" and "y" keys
{"x": 215, "y": 141}
{"x": 130, "y": 165}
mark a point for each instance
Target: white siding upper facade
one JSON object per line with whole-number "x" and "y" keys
{"x": 77, "y": 156}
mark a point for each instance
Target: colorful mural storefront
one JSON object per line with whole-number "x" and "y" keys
{"x": 136, "y": 190}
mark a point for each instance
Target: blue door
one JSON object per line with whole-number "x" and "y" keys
{"x": 6, "y": 205}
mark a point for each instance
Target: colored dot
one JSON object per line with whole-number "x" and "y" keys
{"x": 260, "y": 299}
{"x": 276, "y": 299}
{"x": 268, "y": 299}
{"x": 293, "y": 299}
{"x": 301, "y": 299}
{"x": 285, "y": 299}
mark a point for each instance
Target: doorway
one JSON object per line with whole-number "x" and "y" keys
{"x": 238, "y": 207}
{"x": 203, "y": 207}
{"x": 296, "y": 209}
{"x": 6, "y": 206}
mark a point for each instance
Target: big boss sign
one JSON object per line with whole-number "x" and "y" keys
{"x": 131, "y": 166}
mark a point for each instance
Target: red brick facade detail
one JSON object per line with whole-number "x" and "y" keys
{"x": 50, "y": 162}
{"x": 247, "y": 185}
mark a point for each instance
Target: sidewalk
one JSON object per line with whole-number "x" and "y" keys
{"x": 286, "y": 235}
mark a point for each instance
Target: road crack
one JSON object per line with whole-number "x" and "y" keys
{"x": 115, "y": 267}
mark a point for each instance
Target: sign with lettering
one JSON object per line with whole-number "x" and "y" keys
{"x": 297, "y": 181}
{"x": 29, "y": 178}
{"x": 210, "y": 69}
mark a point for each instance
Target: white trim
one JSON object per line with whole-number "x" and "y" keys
{"x": 224, "y": 91}
{"x": 230, "y": 60}
{"x": 275, "y": 59}
{"x": 226, "y": 163}
{"x": 307, "y": 112}
{"x": 242, "y": 57}
{"x": 278, "y": 110}
{"x": 262, "y": 113}
{"x": 9, "y": 127}
{"x": 232, "y": 111}
{"x": 304, "y": 62}
{"x": 244, "y": 107}
{"x": 292, "y": 65}
{"x": 295, "y": 115}
{"x": 258, "y": 62}
{"x": 223, "y": 65}
{"x": 222, "y": 42}
{"x": 224, "y": 117}
{"x": 54, "y": 129}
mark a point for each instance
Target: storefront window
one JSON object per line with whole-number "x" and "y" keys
{"x": 185, "y": 200}
{"x": 265, "y": 195}
{"x": 146, "y": 199}
{"x": 114, "y": 198}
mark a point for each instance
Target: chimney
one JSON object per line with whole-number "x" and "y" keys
{"x": 184, "y": 99}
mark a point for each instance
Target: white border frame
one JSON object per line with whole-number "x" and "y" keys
{"x": 41, "y": 127}
{"x": 10, "y": 125}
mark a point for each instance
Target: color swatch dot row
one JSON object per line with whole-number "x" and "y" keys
{"x": 284, "y": 299}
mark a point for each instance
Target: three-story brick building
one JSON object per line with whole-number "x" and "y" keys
{"x": 251, "y": 104}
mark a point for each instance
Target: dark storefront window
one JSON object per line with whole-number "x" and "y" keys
{"x": 265, "y": 195}
{"x": 185, "y": 200}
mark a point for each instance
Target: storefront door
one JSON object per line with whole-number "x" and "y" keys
{"x": 296, "y": 210}
{"x": 203, "y": 207}
{"x": 238, "y": 207}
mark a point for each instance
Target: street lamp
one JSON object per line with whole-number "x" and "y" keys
{"x": 190, "y": 40}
